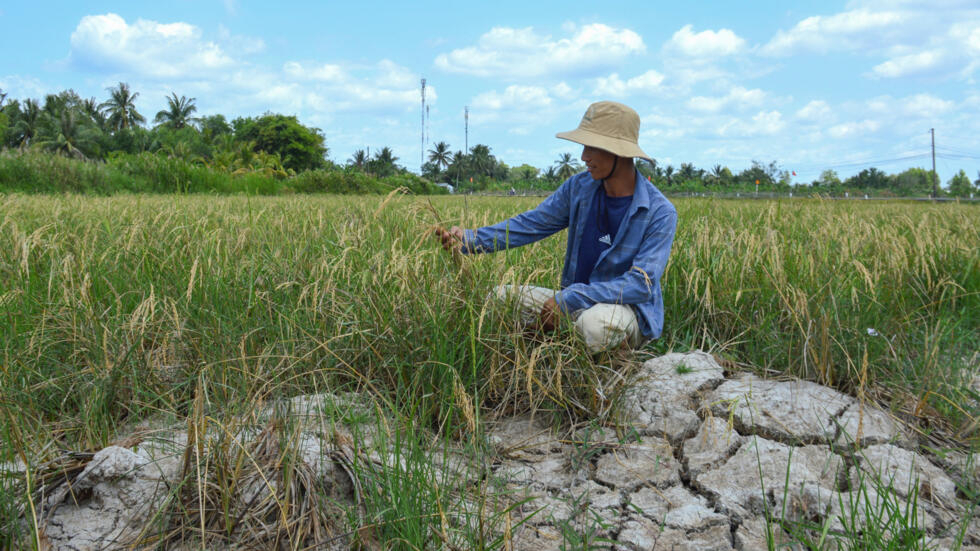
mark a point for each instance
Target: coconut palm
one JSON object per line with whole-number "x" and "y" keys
{"x": 482, "y": 160}
{"x": 177, "y": 115}
{"x": 68, "y": 136}
{"x": 457, "y": 164}
{"x": 359, "y": 159}
{"x": 669, "y": 174}
{"x": 121, "y": 108}
{"x": 565, "y": 166}
{"x": 383, "y": 163}
{"x": 551, "y": 175}
{"x": 440, "y": 156}
{"x": 29, "y": 123}
{"x": 689, "y": 173}
{"x": 527, "y": 173}
{"x": 386, "y": 156}
{"x": 91, "y": 109}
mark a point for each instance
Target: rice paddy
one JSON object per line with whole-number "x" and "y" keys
{"x": 118, "y": 310}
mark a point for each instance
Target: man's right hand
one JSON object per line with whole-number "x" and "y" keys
{"x": 452, "y": 239}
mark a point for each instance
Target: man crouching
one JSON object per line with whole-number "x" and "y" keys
{"x": 620, "y": 232}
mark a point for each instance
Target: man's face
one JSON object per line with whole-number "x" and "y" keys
{"x": 599, "y": 162}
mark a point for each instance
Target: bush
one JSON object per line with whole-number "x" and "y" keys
{"x": 34, "y": 171}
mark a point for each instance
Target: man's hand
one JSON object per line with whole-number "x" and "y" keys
{"x": 550, "y": 313}
{"x": 452, "y": 239}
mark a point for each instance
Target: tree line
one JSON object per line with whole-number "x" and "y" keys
{"x": 769, "y": 177}
{"x": 279, "y": 146}
{"x": 67, "y": 124}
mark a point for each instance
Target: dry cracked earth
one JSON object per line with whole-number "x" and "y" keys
{"x": 709, "y": 459}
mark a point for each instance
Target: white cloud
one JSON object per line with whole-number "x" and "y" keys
{"x": 315, "y": 90}
{"x": 971, "y": 38}
{"x": 908, "y": 64}
{"x": 145, "y": 48}
{"x": 514, "y": 97}
{"x": 763, "y": 123}
{"x": 657, "y": 127}
{"x": 843, "y": 31}
{"x": 563, "y": 90}
{"x": 705, "y": 44}
{"x": 903, "y": 109}
{"x": 520, "y": 53}
{"x": 612, "y": 85}
{"x": 815, "y": 111}
{"x": 523, "y": 109}
{"x": 326, "y": 72}
{"x": 925, "y": 105}
{"x": 738, "y": 98}
{"x": 19, "y": 87}
{"x": 853, "y": 129}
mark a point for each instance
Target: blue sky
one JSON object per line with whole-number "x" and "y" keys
{"x": 812, "y": 85}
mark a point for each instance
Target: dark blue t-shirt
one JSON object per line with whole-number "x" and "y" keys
{"x": 601, "y": 224}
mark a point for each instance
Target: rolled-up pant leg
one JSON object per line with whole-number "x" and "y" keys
{"x": 603, "y": 326}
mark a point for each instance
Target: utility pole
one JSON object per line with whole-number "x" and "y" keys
{"x": 934, "y": 178}
{"x": 466, "y": 129}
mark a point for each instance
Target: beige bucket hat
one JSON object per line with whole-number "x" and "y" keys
{"x": 609, "y": 126}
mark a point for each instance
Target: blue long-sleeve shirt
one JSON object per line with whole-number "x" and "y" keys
{"x": 628, "y": 272}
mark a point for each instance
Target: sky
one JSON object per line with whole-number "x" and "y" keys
{"x": 811, "y": 85}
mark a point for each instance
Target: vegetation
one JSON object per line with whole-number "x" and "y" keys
{"x": 275, "y": 144}
{"x": 237, "y": 170}
{"x": 122, "y": 309}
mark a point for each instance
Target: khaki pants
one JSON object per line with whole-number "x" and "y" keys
{"x": 603, "y": 326}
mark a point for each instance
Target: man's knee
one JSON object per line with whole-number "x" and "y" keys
{"x": 606, "y": 326}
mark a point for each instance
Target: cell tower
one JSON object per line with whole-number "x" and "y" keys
{"x": 422, "y": 151}
{"x": 466, "y": 128}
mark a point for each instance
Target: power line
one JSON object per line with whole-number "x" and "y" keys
{"x": 958, "y": 156}
{"x": 955, "y": 150}
{"x": 853, "y": 164}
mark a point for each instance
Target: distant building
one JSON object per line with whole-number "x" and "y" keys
{"x": 447, "y": 187}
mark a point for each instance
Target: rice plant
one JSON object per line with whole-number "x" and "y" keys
{"x": 116, "y": 310}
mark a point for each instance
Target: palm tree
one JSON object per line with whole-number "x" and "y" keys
{"x": 91, "y": 109}
{"x": 440, "y": 156}
{"x": 688, "y": 173}
{"x": 30, "y": 121}
{"x": 565, "y": 166}
{"x": 121, "y": 108}
{"x": 177, "y": 115}
{"x": 359, "y": 159}
{"x": 483, "y": 161}
{"x": 550, "y": 175}
{"x": 69, "y": 136}
{"x": 717, "y": 174}
{"x": 384, "y": 162}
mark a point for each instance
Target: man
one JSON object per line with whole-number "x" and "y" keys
{"x": 620, "y": 232}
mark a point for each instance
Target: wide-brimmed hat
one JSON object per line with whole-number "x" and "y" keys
{"x": 609, "y": 126}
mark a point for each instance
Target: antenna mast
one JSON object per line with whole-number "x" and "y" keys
{"x": 466, "y": 128}
{"x": 934, "y": 178}
{"x": 422, "y": 150}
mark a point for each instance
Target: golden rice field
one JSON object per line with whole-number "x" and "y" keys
{"x": 115, "y": 310}
{"x": 111, "y": 305}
